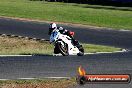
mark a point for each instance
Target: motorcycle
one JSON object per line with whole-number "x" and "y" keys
{"x": 63, "y": 44}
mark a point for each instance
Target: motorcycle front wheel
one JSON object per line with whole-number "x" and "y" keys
{"x": 63, "y": 48}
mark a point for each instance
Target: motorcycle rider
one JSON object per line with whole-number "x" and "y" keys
{"x": 53, "y": 26}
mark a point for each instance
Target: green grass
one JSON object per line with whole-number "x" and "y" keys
{"x": 91, "y": 48}
{"x": 63, "y": 12}
{"x": 17, "y": 46}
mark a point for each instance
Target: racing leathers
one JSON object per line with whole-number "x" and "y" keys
{"x": 68, "y": 33}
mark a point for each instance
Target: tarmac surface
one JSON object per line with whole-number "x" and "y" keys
{"x": 60, "y": 66}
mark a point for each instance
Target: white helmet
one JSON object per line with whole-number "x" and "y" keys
{"x": 52, "y": 26}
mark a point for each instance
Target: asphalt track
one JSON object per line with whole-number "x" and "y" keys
{"x": 59, "y": 66}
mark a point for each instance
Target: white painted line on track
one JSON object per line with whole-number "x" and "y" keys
{"x": 124, "y": 30}
{"x": 15, "y": 55}
{"x": 57, "y": 77}
{"x": 123, "y": 50}
{"x": 57, "y": 54}
{"x": 37, "y": 78}
{"x": 3, "y": 79}
{"x": 26, "y": 78}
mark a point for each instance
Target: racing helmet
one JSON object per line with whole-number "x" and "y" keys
{"x": 52, "y": 26}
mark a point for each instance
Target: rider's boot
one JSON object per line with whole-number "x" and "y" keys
{"x": 76, "y": 43}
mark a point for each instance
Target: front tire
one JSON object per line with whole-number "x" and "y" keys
{"x": 56, "y": 50}
{"x": 63, "y": 48}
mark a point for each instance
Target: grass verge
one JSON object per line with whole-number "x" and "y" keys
{"x": 17, "y": 46}
{"x": 39, "y": 83}
{"x": 70, "y": 13}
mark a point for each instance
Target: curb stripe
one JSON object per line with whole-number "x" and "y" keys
{"x": 24, "y": 37}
